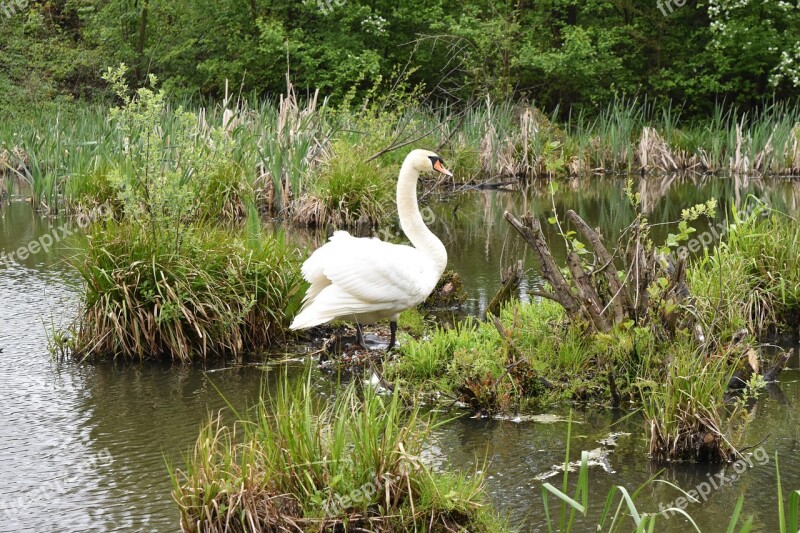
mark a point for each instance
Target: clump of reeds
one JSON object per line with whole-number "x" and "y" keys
{"x": 303, "y": 464}
{"x": 752, "y": 279}
{"x": 347, "y": 190}
{"x": 291, "y": 140}
{"x": 219, "y": 294}
{"x": 683, "y": 409}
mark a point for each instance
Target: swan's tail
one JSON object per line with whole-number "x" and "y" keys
{"x": 307, "y": 319}
{"x": 331, "y": 303}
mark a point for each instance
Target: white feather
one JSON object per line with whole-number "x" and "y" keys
{"x": 366, "y": 280}
{"x": 363, "y": 280}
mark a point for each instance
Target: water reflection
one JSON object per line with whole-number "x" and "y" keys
{"x": 480, "y": 243}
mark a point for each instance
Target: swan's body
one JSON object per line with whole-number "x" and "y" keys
{"x": 365, "y": 280}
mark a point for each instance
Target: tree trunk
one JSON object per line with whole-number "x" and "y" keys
{"x": 141, "y": 39}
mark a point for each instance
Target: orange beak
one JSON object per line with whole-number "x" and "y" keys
{"x": 438, "y": 166}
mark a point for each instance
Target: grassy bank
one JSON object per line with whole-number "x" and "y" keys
{"x": 305, "y": 465}
{"x": 300, "y": 159}
{"x": 536, "y": 354}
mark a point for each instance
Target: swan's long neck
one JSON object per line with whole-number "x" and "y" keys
{"x": 411, "y": 220}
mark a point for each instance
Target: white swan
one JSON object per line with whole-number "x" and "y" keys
{"x": 364, "y": 280}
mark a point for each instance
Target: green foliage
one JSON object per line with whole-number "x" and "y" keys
{"x": 752, "y": 279}
{"x": 683, "y": 408}
{"x": 412, "y": 321}
{"x": 348, "y": 189}
{"x": 172, "y": 159}
{"x": 353, "y": 463}
{"x": 221, "y": 295}
{"x": 470, "y": 350}
{"x": 562, "y": 53}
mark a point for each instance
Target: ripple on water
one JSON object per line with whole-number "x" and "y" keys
{"x": 82, "y": 448}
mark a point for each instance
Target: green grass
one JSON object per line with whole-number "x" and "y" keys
{"x": 218, "y": 295}
{"x": 684, "y": 410}
{"x": 752, "y": 279}
{"x": 301, "y": 159}
{"x": 412, "y": 321}
{"x": 347, "y": 190}
{"x": 474, "y": 363}
{"x": 350, "y": 464}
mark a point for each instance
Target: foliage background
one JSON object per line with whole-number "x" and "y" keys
{"x": 566, "y": 53}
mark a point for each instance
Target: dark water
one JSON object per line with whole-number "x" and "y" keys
{"x": 85, "y": 448}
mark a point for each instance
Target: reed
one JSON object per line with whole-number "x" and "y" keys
{"x": 684, "y": 408}
{"x": 219, "y": 295}
{"x": 303, "y": 464}
{"x": 347, "y": 190}
{"x": 290, "y": 154}
{"x": 752, "y": 279}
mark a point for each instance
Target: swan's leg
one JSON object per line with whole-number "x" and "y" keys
{"x": 393, "y": 329}
{"x": 360, "y": 337}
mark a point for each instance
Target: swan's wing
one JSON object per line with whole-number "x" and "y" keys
{"x": 369, "y": 270}
{"x": 377, "y": 271}
{"x": 351, "y": 276}
{"x": 313, "y": 271}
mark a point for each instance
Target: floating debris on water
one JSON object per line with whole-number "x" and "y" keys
{"x": 539, "y": 419}
{"x": 612, "y": 438}
{"x": 596, "y": 457}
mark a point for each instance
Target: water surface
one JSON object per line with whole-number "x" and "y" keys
{"x": 84, "y": 448}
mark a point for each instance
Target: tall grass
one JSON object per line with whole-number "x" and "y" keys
{"x": 63, "y": 160}
{"x": 684, "y": 408}
{"x": 752, "y": 279}
{"x": 302, "y": 464}
{"x": 218, "y": 295}
{"x": 347, "y": 190}
{"x": 285, "y": 151}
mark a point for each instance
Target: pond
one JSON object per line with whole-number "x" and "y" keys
{"x": 85, "y": 448}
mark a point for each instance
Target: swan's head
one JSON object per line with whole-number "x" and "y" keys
{"x": 426, "y": 161}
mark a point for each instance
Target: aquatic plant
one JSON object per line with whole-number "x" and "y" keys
{"x": 752, "y": 279}
{"x": 618, "y": 518}
{"x": 351, "y": 464}
{"x": 347, "y": 190}
{"x": 292, "y": 155}
{"x": 684, "y": 408}
{"x": 217, "y": 294}
{"x": 490, "y": 371}
{"x": 675, "y": 355}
